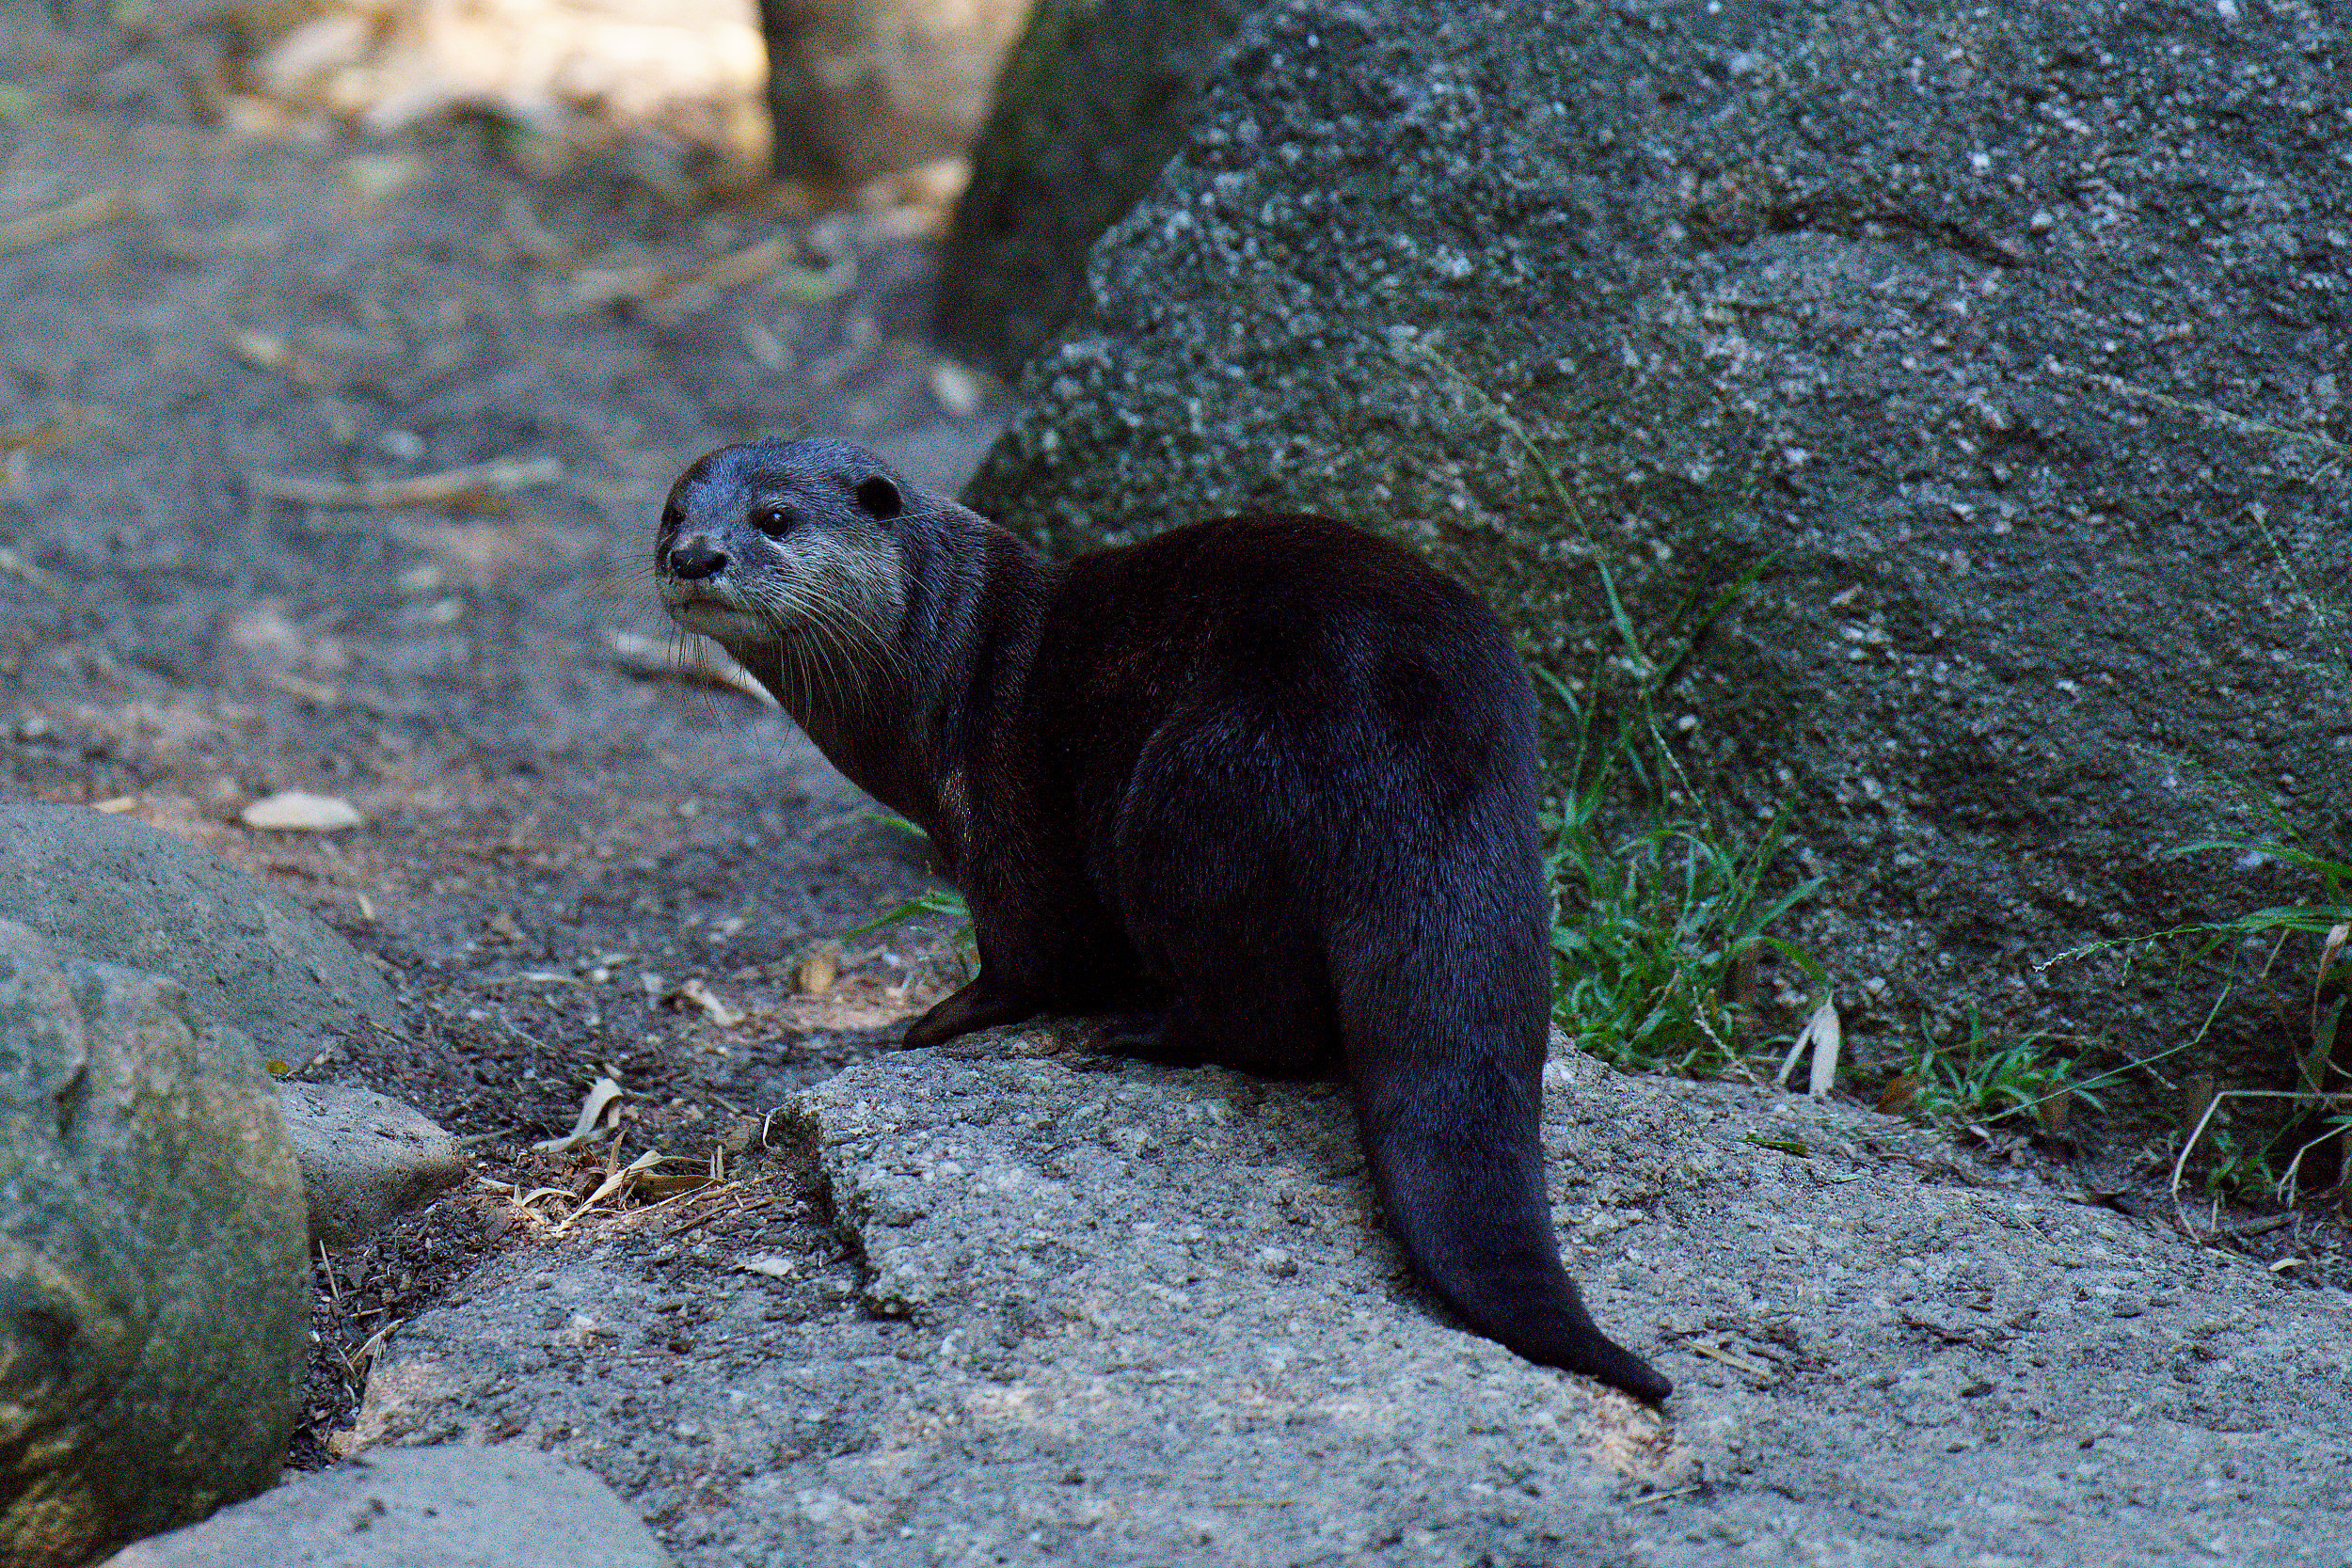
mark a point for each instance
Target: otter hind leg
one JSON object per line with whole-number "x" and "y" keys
{"x": 1275, "y": 1024}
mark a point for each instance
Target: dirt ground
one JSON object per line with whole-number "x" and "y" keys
{"x": 552, "y": 843}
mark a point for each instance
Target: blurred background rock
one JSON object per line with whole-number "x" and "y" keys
{"x": 877, "y": 99}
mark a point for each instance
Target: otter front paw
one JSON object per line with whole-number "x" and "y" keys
{"x": 977, "y": 1005}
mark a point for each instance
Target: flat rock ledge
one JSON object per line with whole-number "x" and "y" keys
{"x": 1100, "y": 1311}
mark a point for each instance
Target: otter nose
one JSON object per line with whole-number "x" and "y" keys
{"x": 696, "y": 560}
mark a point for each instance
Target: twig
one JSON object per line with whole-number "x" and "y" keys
{"x": 1738, "y": 1363}
{"x": 2179, "y": 1162}
{"x": 447, "y": 488}
{"x": 534, "y": 239}
{"x": 656, "y": 659}
{"x": 15, "y": 565}
{"x": 2261, "y": 1228}
{"x": 94, "y": 210}
{"x": 358, "y": 1362}
{"x": 670, "y": 294}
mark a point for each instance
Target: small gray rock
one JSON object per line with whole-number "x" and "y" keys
{"x": 365, "y": 1158}
{"x": 454, "y": 1507}
{"x": 154, "y": 1303}
{"x": 117, "y": 889}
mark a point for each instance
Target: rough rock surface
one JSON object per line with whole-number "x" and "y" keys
{"x": 2012, "y": 341}
{"x": 153, "y": 1298}
{"x": 117, "y": 889}
{"x": 1115, "y": 1313}
{"x": 1093, "y": 100}
{"x": 455, "y": 1507}
{"x": 365, "y": 1157}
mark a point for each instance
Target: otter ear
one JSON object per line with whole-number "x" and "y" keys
{"x": 879, "y": 496}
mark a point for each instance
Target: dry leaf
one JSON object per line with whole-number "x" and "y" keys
{"x": 819, "y": 969}
{"x": 1827, "y": 1039}
{"x": 600, "y": 1095}
{"x": 669, "y": 1183}
{"x": 1738, "y": 1363}
{"x": 1821, "y": 1033}
{"x": 699, "y": 994}
{"x": 612, "y": 1185}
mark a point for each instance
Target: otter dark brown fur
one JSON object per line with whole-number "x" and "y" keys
{"x": 1270, "y": 778}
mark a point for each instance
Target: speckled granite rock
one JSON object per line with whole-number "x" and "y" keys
{"x": 2010, "y": 347}
{"x": 1103, "y": 1312}
{"x": 1093, "y": 100}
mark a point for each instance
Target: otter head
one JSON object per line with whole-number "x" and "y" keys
{"x": 786, "y": 553}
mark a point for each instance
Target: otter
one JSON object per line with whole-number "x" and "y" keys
{"x": 1266, "y": 783}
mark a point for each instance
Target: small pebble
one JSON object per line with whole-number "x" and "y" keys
{"x": 298, "y": 811}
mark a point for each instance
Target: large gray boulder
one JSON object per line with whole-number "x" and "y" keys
{"x": 154, "y": 1302}
{"x": 2011, "y": 345}
{"x": 113, "y": 888}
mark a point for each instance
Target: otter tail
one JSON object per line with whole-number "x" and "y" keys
{"x": 1449, "y": 1096}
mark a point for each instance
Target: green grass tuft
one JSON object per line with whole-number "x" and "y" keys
{"x": 1984, "y": 1077}
{"x": 1657, "y": 927}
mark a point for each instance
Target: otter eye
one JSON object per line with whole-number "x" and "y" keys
{"x": 771, "y": 520}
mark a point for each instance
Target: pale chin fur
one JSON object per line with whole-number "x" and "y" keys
{"x": 731, "y": 628}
